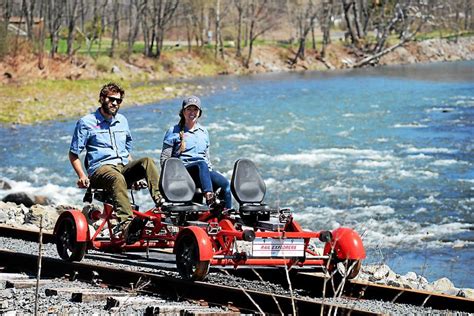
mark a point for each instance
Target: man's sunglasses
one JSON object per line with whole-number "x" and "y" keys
{"x": 112, "y": 99}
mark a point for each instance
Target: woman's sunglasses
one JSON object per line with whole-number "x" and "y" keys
{"x": 112, "y": 99}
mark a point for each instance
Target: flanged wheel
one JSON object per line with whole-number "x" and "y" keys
{"x": 68, "y": 247}
{"x": 187, "y": 259}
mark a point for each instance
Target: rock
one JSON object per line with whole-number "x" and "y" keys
{"x": 3, "y": 217}
{"x": 4, "y": 185}
{"x": 467, "y": 293}
{"x": 443, "y": 285}
{"x": 42, "y": 200}
{"x": 20, "y": 198}
{"x": 411, "y": 276}
{"x": 382, "y": 272}
{"x": 168, "y": 89}
{"x": 115, "y": 70}
{"x": 50, "y": 215}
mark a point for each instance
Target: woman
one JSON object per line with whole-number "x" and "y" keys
{"x": 189, "y": 141}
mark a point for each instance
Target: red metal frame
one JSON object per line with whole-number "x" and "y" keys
{"x": 218, "y": 247}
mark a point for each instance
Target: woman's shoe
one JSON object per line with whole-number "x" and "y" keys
{"x": 210, "y": 198}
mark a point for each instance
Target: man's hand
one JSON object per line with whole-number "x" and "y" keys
{"x": 138, "y": 185}
{"x": 83, "y": 182}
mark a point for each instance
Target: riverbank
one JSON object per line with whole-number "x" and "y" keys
{"x": 68, "y": 87}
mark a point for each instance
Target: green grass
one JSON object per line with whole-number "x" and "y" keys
{"x": 64, "y": 99}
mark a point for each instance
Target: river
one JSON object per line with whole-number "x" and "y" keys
{"x": 387, "y": 151}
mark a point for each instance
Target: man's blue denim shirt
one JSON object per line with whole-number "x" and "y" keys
{"x": 197, "y": 143}
{"x": 106, "y": 142}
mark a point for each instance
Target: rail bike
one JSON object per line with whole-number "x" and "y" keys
{"x": 202, "y": 236}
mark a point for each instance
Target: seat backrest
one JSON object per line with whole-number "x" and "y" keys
{"x": 247, "y": 185}
{"x": 176, "y": 185}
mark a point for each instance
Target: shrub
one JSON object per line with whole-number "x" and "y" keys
{"x": 103, "y": 64}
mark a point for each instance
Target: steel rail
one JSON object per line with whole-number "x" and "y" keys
{"x": 313, "y": 284}
{"x": 174, "y": 288}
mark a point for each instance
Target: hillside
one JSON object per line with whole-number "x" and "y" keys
{"x": 71, "y": 84}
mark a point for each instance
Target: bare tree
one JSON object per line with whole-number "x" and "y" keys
{"x": 164, "y": 11}
{"x": 260, "y": 15}
{"x": 408, "y": 18}
{"x": 103, "y": 23}
{"x": 55, "y": 14}
{"x": 115, "y": 26}
{"x": 347, "y": 5}
{"x": 325, "y": 23}
{"x": 305, "y": 13}
{"x": 71, "y": 17}
{"x": 219, "y": 44}
{"x": 136, "y": 10}
{"x": 41, "y": 36}
{"x": 239, "y": 4}
{"x": 28, "y": 7}
{"x": 468, "y": 14}
{"x": 6, "y": 14}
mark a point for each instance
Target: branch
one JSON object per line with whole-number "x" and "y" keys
{"x": 368, "y": 59}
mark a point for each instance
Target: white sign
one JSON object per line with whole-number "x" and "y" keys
{"x": 278, "y": 248}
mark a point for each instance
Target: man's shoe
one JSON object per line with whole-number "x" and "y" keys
{"x": 132, "y": 230}
{"x": 158, "y": 201}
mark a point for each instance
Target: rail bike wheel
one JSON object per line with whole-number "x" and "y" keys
{"x": 187, "y": 259}
{"x": 68, "y": 247}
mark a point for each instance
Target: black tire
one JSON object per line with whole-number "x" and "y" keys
{"x": 69, "y": 249}
{"x": 187, "y": 260}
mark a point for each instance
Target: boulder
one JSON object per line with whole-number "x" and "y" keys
{"x": 115, "y": 70}
{"x": 467, "y": 293}
{"x": 382, "y": 272}
{"x": 49, "y": 214}
{"x": 42, "y": 200}
{"x": 443, "y": 285}
{"x": 14, "y": 214}
{"x": 20, "y": 198}
{"x": 4, "y": 185}
{"x": 3, "y": 216}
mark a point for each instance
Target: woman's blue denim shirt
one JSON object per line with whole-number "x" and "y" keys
{"x": 197, "y": 143}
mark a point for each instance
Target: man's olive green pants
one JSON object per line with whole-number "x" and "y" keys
{"x": 116, "y": 180}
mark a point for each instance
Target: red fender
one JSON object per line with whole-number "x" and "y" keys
{"x": 82, "y": 228}
{"x": 204, "y": 242}
{"x": 347, "y": 244}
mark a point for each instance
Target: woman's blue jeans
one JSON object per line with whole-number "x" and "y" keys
{"x": 208, "y": 179}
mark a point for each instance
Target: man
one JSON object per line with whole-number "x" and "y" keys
{"x": 106, "y": 137}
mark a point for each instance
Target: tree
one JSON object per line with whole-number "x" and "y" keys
{"x": 325, "y": 23}
{"x": 305, "y": 12}
{"x": 240, "y": 5}
{"x": 71, "y": 17}
{"x": 28, "y": 7}
{"x": 54, "y": 14}
{"x": 164, "y": 11}
{"x": 136, "y": 10}
{"x": 260, "y": 13}
{"x": 407, "y": 18}
{"x": 347, "y": 5}
{"x": 115, "y": 26}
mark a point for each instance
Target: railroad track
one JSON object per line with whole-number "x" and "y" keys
{"x": 174, "y": 288}
{"x": 312, "y": 284}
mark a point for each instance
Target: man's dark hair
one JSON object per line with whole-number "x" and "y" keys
{"x": 111, "y": 87}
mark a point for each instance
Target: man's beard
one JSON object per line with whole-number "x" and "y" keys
{"x": 108, "y": 110}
